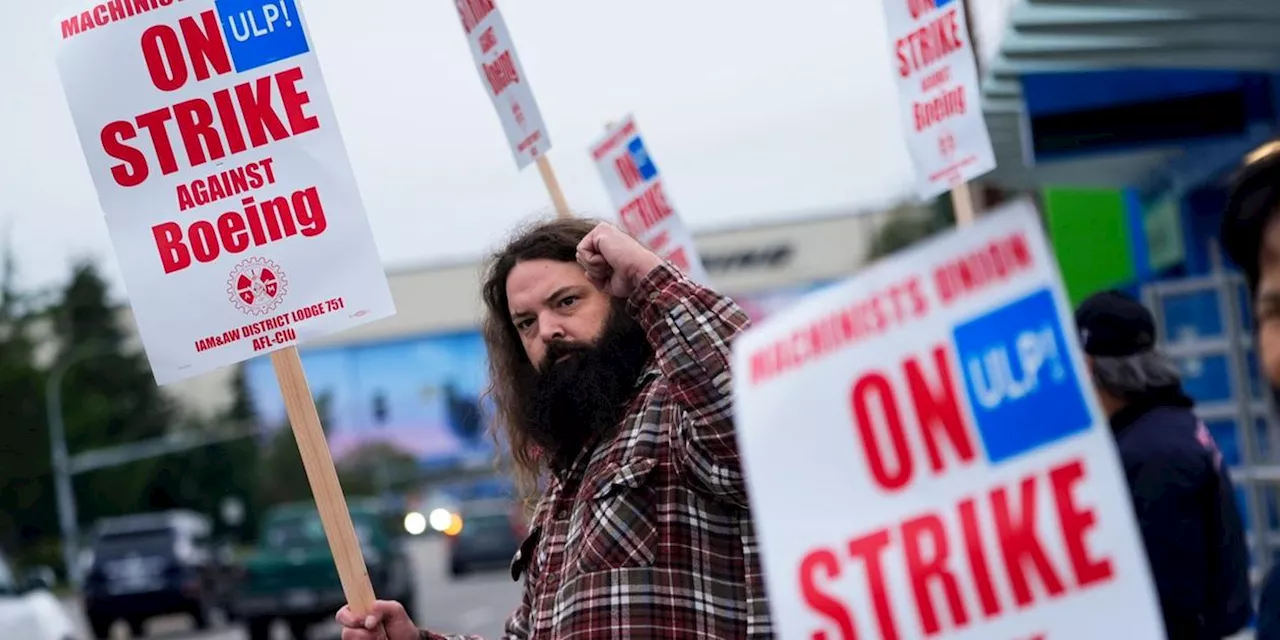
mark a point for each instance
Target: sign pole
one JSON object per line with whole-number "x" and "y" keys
{"x": 553, "y": 187}
{"x": 332, "y": 281}
{"x": 940, "y": 100}
{"x": 507, "y": 85}
{"x": 962, "y": 203}
{"x": 962, "y": 196}
{"x": 323, "y": 478}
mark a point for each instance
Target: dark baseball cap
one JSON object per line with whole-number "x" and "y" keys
{"x": 1251, "y": 205}
{"x": 1114, "y": 325}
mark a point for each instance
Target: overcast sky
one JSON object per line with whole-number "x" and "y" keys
{"x": 754, "y": 110}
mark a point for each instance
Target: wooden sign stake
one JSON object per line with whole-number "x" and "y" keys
{"x": 553, "y": 187}
{"x": 962, "y": 203}
{"x": 323, "y": 477}
{"x": 961, "y": 196}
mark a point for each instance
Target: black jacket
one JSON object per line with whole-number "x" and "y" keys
{"x": 1186, "y": 508}
{"x": 1269, "y": 607}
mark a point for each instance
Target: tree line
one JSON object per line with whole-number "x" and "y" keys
{"x": 109, "y": 399}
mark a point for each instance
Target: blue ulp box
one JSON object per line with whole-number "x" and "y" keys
{"x": 260, "y": 32}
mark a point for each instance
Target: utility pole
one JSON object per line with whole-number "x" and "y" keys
{"x": 66, "y": 466}
{"x": 61, "y": 460}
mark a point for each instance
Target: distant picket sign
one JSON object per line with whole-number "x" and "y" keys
{"x": 217, "y": 159}
{"x": 504, "y": 80}
{"x": 640, "y": 198}
{"x": 939, "y": 93}
{"x": 958, "y": 478}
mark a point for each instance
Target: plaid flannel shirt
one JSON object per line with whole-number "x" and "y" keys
{"x": 649, "y": 535}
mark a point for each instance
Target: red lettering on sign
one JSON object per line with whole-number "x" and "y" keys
{"x": 870, "y": 550}
{"x": 930, "y": 43}
{"x": 501, "y": 73}
{"x": 234, "y": 232}
{"x": 926, "y": 567}
{"x": 942, "y": 107}
{"x": 225, "y": 184}
{"x": 892, "y": 307}
{"x": 472, "y": 12}
{"x": 211, "y": 132}
{"x": 529, "y": 142}
{"x": 977, "y": 557}
{"x": 658, "y": 243}
{"x": 992, "y": 264}
{"x": 627, "y": 170}
{"x": 488, "y": 40}
{"x": 824, "y": 562}
{"x": 1020, "y": 542}
{"x": 647, "y": 210}
{"x": 937, "y": 413}
{"x": 679, "y": 258}
{"x": 1076, "y": 523}
{"x": 614, "y": 139}
{"x": 923, "y": 547}
{"x": 918, "y": 8}
{"x": 936, "y": 79}
{"x": 938, "y": 410}
{"x": 105, "y": 13}
{"x": 875, "y": 388}
{"x": 162, "y": 51}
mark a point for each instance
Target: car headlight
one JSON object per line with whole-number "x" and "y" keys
{"x": 441, "y": 519}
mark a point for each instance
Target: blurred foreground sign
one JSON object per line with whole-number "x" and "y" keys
{"x": 218, "y": 163}
{"x": 640, "y": 198}
{"x": 959, "y": 479}
{"x": 504, "y": 80}
{"x": 939, "y": 92}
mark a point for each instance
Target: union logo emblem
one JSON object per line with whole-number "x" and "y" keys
{"x": 257, "y": 286}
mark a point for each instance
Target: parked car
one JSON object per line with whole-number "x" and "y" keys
{"x": 491, "y": 532}
{"x": 150, "y": 565}
{"x": 291, "y": 574}
{"x": 28, "y": 608}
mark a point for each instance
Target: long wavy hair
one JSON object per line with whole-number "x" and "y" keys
{"x": 509, "y": 365}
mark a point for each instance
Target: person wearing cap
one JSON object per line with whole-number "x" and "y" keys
{"x": 1250, "y": 238}
{"x": 1182, "y": 494}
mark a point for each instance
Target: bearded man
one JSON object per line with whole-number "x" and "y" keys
{"x": 610, "y": 369}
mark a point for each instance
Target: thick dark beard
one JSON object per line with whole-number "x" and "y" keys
{"x": 586, "y": 394}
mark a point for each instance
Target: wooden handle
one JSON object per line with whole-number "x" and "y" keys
{"x": 553, "y": 187}
{"x": 962, "y": 202}
{"x": 323, "y": 477}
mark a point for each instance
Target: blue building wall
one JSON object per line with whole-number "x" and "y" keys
{"x": 1198, "y": 182}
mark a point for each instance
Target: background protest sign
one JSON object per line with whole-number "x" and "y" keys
{"x": 959, "y": 478}
{"x": 504, "y": 80}
{"x": 640, "y": 197}
{"x": 218, "y": 163}
{"x": 939, "y": 92}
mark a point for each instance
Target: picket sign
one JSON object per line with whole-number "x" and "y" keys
{"x": 507, "y": 86}
{"x": 224, "y": 181}
{"x": 553, "y": 187}
{"x": 965, "y": 479}
{"x": 940, "y": 97}
{"x": 968, "y": 481}
{"x": 640, "y": 198}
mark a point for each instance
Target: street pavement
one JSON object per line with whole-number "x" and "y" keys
{"x": 475, "y": 604}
